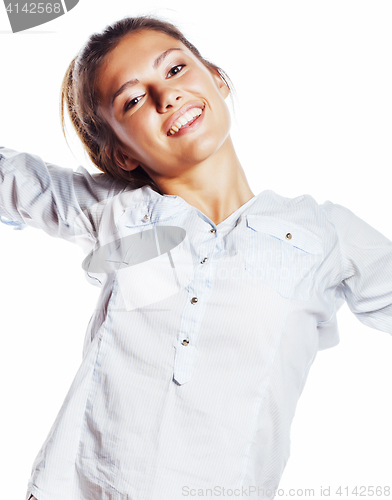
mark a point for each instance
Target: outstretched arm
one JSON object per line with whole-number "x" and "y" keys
{"x": 366, "y": 257}
{"x": 58, "y": 200}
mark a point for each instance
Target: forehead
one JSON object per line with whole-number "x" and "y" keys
{"x": 142, "y": 44}
{"x": 134, "y": 53}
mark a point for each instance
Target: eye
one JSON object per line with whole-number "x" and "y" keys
{"x": 175, "y": 70}
{"x": 130, "y": 104}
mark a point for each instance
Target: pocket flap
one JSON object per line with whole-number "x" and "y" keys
{"x": 286, "y": 231}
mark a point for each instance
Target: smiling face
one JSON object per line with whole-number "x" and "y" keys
{"x": 164, "y": 105}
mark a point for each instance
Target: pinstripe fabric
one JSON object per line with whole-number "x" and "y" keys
{"x": 176, "y": 393}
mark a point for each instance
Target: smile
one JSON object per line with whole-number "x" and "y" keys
{"x": 185, "y": 120}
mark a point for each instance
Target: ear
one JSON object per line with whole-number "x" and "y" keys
{"x": 123, "y": 160}
{"x": 222, "y": 86}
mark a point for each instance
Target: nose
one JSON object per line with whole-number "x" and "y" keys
{"x": 166, "y": 97}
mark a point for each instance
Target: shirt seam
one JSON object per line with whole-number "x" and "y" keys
{"x": 340, "y": 248}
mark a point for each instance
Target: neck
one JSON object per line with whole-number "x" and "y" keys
{"x": 217, "y": 186}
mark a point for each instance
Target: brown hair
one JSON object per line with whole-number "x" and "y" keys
{"x": 79, "y": 95}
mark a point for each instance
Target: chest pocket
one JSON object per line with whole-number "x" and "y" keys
{"x": 283, "y": 255}
{"x": 149, "y": 261}
{"x": 154, "y": 261}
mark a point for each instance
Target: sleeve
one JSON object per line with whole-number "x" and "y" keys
{"x": 366, "y": 267}
{"x": 63, "y": 202}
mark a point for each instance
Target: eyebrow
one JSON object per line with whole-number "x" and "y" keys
{"x": 134, "y": 81}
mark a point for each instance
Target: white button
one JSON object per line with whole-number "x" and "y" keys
{"x": 146, "y": 218}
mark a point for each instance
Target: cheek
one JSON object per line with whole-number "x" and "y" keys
{"x": 129, "y": 132}
{"x": 221, "y": 115}
{"x": 141, "y": 137}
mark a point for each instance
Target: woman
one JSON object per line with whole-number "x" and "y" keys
{"x": 214, "y": 301}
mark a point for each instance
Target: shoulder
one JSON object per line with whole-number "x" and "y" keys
{"x": 303, "y": 211}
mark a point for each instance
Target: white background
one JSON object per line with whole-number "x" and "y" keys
{"x": 314, "y": 115}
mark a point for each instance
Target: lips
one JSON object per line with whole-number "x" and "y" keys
{"x": 184, "y": 117}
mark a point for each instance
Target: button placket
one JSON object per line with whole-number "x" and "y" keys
{"x": 193, "y": 313}
{"x": 192, "y": 316}
{"x": 204, "y": 260}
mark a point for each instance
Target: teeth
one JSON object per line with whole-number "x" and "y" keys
{"x": 184, "y": 119}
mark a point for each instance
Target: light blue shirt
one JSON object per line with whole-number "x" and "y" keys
{"x": 203, "y": 335}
